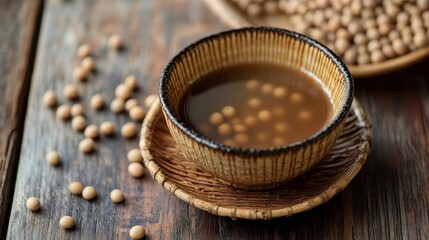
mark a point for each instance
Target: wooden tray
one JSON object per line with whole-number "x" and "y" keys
{"x": 235, "y": 18}
{"x": 185, "y": 180}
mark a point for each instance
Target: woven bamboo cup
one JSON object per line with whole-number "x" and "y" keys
{"x": 249, "y": 168}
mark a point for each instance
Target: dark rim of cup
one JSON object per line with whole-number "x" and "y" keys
{"x": 257, "y": 151}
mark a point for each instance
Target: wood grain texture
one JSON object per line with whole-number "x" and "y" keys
{"x": 387, "y": 200}
{"x": 19, "y": 23}
{"x": 392, "y": 195}
{"x": 149, "y": 42}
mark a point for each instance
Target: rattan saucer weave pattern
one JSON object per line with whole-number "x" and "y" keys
{"x": 186, "y": 181}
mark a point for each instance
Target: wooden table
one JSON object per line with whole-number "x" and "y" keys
{"x": 389, "y": 199}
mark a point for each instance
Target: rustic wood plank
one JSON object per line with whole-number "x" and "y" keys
{"x": 387, "y": 200}
{"x": 19, "y": 26}
{"x": 148, "y": 33}
{"x": 392, "y": 194}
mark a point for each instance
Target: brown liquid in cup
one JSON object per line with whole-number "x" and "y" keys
{"x": 256, "y": 106}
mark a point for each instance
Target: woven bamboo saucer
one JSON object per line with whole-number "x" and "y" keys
{"x": 185, "y": 180}
{"x": 231, "y": 16}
